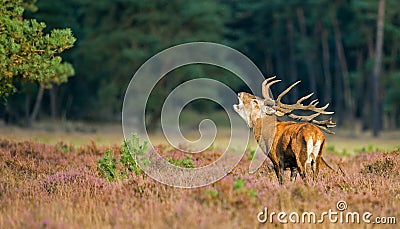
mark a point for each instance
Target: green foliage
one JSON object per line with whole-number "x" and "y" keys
{"x": 238, "y": 184}
{"x": 251, "y": 154}
{"x": 131, "y": 152}
{"x": 186, "y": 162}
{"x": 330, "y": 148}
{"x": 211, "y": 192}
{"x": 345, "y": 153}
{"x": 108, "y": 166}
{"x": 63, "y": 147}
{"x": 367, "y": 149}
{"x": 116, "y": 37}
{"x": 127, "y": 159}
{"x": 138, "y": 150}
{"x": 393, "y": 93}
{"x": 26, "y": 53}
{"x": 252, "y": 193}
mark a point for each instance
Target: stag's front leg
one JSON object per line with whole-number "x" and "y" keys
{"x": 277, "y": 171}
{"x": 281, "y": 178}
{"x": 281, "y": 172}
{"x": 293, "y": 173}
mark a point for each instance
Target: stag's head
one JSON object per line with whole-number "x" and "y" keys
{"x": 250, "y": 108}
{"x": 244, "y": 108}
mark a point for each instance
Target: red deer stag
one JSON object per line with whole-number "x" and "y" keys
{"x": 294, "y": 144}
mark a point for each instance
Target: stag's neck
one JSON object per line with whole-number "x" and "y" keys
{"x": 263, "y": 130}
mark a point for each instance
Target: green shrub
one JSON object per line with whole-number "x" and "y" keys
{"x": 345, "y": 153}
{"x": 108, "y": 166}
{"x": 252, "y": 152}
{"x": 368, "y": 149}
{"x": 62, "y": 147}
{"x": 211, "y": 193}
{"x": 364, "y": 149}
{"x": 238, "y": 184}
{"x": 252, "y": 193}
{"x": 186, "y": 162}
{"x": 130, "y": 151}
{"x": 331, "y": 148}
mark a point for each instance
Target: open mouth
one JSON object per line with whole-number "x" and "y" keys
{"x": 238, "y": 107}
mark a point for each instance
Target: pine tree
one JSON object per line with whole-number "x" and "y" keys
{"x": 26, "y": 53}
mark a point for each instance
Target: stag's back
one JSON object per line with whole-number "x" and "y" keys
{"x": 302, "y": 140}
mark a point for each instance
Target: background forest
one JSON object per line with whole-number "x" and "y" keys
{"x": 334, "y": 47}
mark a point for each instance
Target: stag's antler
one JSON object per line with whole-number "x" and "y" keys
{"x": 286, "y": 109}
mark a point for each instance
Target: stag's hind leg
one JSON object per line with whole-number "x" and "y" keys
{"x": 314, "y": 165}
{"x": 281, "y": 172}
{"x": 317, "y": 164}
{"x": 318, "y": 160}
{"x": 301, "y": 167}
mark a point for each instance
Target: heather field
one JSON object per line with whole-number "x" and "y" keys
{"x": 60, "y": 185}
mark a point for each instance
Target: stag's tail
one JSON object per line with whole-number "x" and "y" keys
{"x": 326, "y": 164}
{"x": 330, "y": 167}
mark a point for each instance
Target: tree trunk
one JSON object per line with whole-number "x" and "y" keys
{"x": 338, "y": 92}
{"x": 326, "y": 66}
{"x": 377, "y": 67}
{"x": 27, "y": 108}
{"x": 277, "y": 51}
{"x": 367, "y": 97}
{"x": 153, "y": 119}
{"x": 393, "y": 55}
{"x": 392, "y": 69}
{"x": 292, "y": 59}
{"x": 269, "y": 66}
{"x": 53, "y": 102}
{"x": 348, "y": 99}
{"x": 309, "y": 59}
{"x": 38, "y": 102}
{"x": 66, "y": 108}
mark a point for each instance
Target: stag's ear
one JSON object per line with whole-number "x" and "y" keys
{"x": 268, "y": 110}
{"x": 269, "y": 102}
